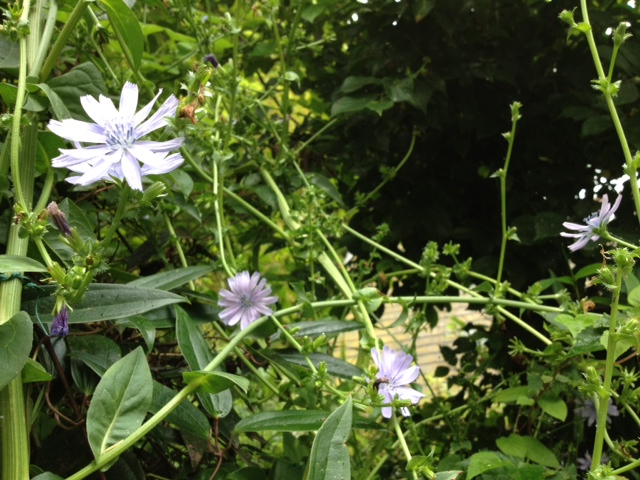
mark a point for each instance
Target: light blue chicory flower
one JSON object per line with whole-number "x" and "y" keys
{"x": 247, "y": 299}
{"x": 394, "y": 374}
{"x": 117, "y": 133}
{"x": 593, "y": 224}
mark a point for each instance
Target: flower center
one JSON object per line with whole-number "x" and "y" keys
{"x": 120, "y": 133}
{"x": 246, "y": 301}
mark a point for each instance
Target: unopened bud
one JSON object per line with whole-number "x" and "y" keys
{"x": 59, "y": 219}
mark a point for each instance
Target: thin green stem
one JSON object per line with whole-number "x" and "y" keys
{"x": 630, "y": 167}
{"x": 61, "y": 41}
{"x": 502, "y": 174}
{"x": 123, "y": 203}
{"x": 604, "y": 397}
{"x": 176, "y": 243}
{"x": 294, "y": 343}
{"x": 403, "y": 442}
{"x": 217, "y": 183}
{"x": 257, "y": 213}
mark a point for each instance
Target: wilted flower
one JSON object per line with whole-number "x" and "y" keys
{"x": 211, "y": 58}
{"x": 60, "y": 325}
{"x": 118, "y": 134}
{"x": 59, "y": 219}
{"x": 247, "y": 299}
{"x": 394, "y": 373}
{"x": 588, "y": 410}
{"x": 594, "y": 224}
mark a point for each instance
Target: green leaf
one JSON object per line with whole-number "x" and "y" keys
{"x": 47, "y": 476}
{"x": 186, "y": 417}
{"x": 198, "y": 355}
{"x": 96, "y": 351}
{"x": 483, "y": 462}
{"x": 216, "y": 382}
{"x": 356, "y": 104}
{"x": 329, "y": 188}
{"x": 172, "y": 278}
{"x": 247, "y": 473}
{"x": 85, "y": 79}
{"x": 104, "y": 302}
{"x": 352, "y": 84}
{"x": 146, "y": 328}
{"x": 329, "y": 457}
{"x": 421, "y": 9}
{"x": 315, "y": 328}
{"x": 335, "y": 366}
{"x": 449, "y": 475}
{"x": 57, "y": 104}
{"x": 371, "y": 297}
{"x": 633, "y": 297}
{"x": 120, "y": 402}
{"x": 34, "y": 372}
{"x": 18, "y": 263}
{"x": 512, "y": 394}
{"x": 577, "y": 324}
{"x": 16, "y": 336}
{"x": 127, "y": 29}
{"x": 294, "y": 421}
{"x": 554, "y": 406}
{"x": 530, "y": 448}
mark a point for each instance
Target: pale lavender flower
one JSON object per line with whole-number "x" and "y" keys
{"x": 117, "y": 133}
{"x": 588, "y": 410}
{"x": 584, "y": 463}
{"x": 60, "y": 325}
{"x": 394, "y": 374}
{"x": 594, "y": 223}
{"x": 247, "y": 299}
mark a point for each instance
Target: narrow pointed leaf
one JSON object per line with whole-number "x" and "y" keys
{"x": 127, "y": 29}
{"x": 216, "y": 382}
{"x": 198, "y": 354}
{"x": 102, "y": 302}
{"x": 172, "y": 279}
{"x": 295, "y": 421}
{"x": 120, "y": 402}
{"x": 329, "y": 454}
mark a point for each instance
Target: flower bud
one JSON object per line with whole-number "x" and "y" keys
{"x": 60, "y": 325}
{"x": 59, "y": 219}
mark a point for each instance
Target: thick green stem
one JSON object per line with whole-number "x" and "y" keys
{"x": 605, "y": 396}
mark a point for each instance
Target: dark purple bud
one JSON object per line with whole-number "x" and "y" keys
{"x": 59, "y": 219}
{"x": 60, "y": 325}
{"x": 211, "y": 58}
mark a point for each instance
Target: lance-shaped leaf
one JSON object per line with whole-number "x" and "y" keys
{"x": 198, "y": 354}
{"x": 18, "y": 263}
{"x": 216, "y": 382}
{"x": 295, "y": 421}
{"x": 120, "y": 402}
{"x": 102, "y": 302}
{"x": 329, "y": 457}
{"x": 173, "y": 278}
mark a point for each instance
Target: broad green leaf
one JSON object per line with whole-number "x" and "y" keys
{"x": 9, "y": 55}
{"x": 173, "y": 278}
{"x": 633, "y": 297}
{"x": 577, "y": 324}
{"x": 18, "y": 263}
{"x": 104, "y": 302}
{"x": 449, "y": 475}
{"x": 127, "y": 29}
{"x": 96, "y": 351}
{"x": 529, "y": 448}
{"x": 186, "y": 417}
{"x": 588, "y": 271}
{"x": 335, "y": 366}
{"x": 216, "y": 382}
{"x": 120, "y": 402}
{"x": 554, "y": 406}
{"x": 328, "y": 186}
{"x": 47, "y": 476}
{"x": 59, "y": 107}
{"x": 16, "y": 336}
{"x": 356, "y": 104}
{"x": 483, "y": 462}
{"x": 587, "y": 342}
{"x": 512, "y": 394}
{"x": 294, "y": 421}
{"x": 371, "y": 297}
{"x": 329, "y": 457}
{"x": 85, "y": 79}
{"x": 198, "y": 354}
{"x": 34, "y": 372}
{"x": 352, "y": 84}
{"x": 145, "y": 326}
